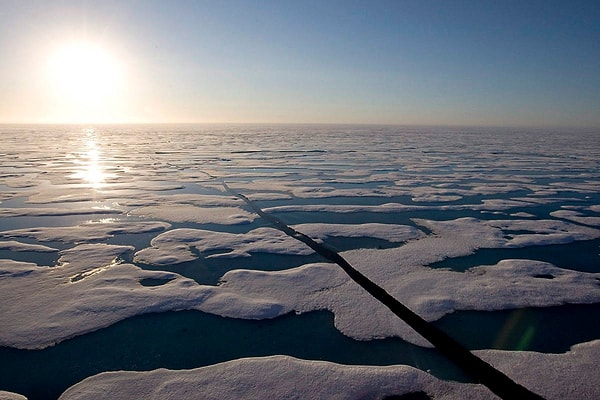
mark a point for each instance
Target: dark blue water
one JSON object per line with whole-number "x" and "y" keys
{"x": 580, "y": 256}
{"x": 546, "y": 329}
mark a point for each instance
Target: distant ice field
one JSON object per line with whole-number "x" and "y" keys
{"x": 110, "y": 234}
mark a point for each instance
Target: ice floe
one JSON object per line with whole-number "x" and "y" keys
{"x": 389, "y": 232}
{"x": 175, "y": 246}
{"x": 43, "y": 306}
{"x": 279, "y": 377}
{"x": 87, "y": 232}
{"x": 577, "y": 217}
{"x": 514, "y": 233}
{"x": 200, "y": 215}
{"x": 431, "y": 293}
{"x": 572, "y": 375}
{"x": 13, "y": 245}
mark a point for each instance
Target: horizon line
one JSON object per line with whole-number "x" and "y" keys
{"x": 438, "y": 125}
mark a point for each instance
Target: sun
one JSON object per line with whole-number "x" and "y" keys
{"x": 85, "y": 80}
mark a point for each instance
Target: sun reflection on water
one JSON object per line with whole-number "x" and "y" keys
{"x": 92, "y": 171}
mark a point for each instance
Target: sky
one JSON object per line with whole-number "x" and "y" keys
{"x": 454, "y": 62}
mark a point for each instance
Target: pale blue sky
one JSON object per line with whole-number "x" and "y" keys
{"x": 402, "y": 62}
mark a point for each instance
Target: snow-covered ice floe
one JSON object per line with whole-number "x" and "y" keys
{"x": 201, "y": 215}
{"x": 572, "y": 375}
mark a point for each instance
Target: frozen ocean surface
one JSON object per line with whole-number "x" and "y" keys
{"x": 110, "y": 232}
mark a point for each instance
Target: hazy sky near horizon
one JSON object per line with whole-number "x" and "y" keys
{"x": 473, "y": 62}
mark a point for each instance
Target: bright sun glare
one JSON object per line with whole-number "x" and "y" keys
{"x": 86, "y": 80}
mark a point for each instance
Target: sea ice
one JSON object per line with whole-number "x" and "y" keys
{"x": 572, "y": 375}
{"x": 87, "y": 232}
{"x": 91, "y": 289}
{"x": 13, "y": 245}
{"x": 87, "y": 291}
{"x": 145, "y": 171}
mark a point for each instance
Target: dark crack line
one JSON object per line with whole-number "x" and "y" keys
{"x": 479, "y": 370}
